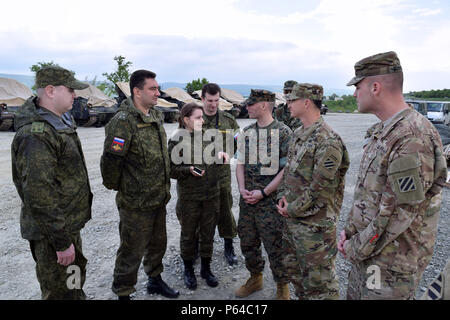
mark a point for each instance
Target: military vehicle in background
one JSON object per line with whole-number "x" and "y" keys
{"x": 12, "y": 95}
{"x": 169, "y": 108}
{"x": 92, "y": 107}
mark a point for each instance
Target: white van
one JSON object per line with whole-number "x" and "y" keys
{"x": 438, "y": 112}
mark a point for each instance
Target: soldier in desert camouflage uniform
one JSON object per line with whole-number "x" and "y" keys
{"x": 391, "y": 228}
{"x": 50, "y": 175}
{"x": 281, "y": 112}
{"x": 258, "y": 218}
{"x": 311, "y": 197}
{"x": 135, "y": 162}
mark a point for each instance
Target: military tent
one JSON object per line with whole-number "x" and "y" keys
{"x": 13, "y": 93}
{"x": 95, "y": 97}
{"x": 231, "y": 96}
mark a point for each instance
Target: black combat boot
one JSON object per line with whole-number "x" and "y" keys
{"x": 206, "y": 273}
{"x": 124, "y": 298}
{"x": 189, "y": 276}
{"x": 229, "y": 252}
{"x": 157, "y": 285}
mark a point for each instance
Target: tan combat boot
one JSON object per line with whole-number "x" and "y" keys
{"x": 283, "y": 291}
{"x": 253, "y": 284}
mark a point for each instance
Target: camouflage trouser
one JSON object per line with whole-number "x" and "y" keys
{"x": 392, "y": 285}
{"x": 53, "y": 277}
{"x": 201, "y": 217}
{"x": 226, "y": 224}
{"x": 261, "y": 222}
{"x": 311, "y": 260}
{"x": 141, "y": 235}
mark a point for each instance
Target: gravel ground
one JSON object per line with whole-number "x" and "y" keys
{"x": 101, "y": 238}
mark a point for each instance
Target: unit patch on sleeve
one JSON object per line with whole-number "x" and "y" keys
{"x": 117, "y": 145}
{"x": 406, "y": 184}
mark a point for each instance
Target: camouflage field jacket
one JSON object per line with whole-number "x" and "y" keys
{"x": 50, "y": 175}
{"x": 397, "y": 199}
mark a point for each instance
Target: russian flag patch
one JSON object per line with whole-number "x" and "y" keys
{"x": 117, "y": 144}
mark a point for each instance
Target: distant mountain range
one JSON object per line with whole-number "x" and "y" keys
{"x": 243, "y": 89}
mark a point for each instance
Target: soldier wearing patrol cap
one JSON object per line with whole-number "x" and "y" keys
{"x": 391, "y": 228}
{"x": 50, "y": 175}
{"x": 281, "y": 112}
{"x": 258, "y": 180}
{"x": 311, "y": 195}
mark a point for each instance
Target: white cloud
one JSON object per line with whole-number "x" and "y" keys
{"x": 314, "y": 40}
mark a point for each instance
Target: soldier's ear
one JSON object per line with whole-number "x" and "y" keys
{"x": 49, "y": 91}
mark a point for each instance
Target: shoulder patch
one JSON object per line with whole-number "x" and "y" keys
{"x": 405, "y": 179}
{"x": 330, "y": 162}
{"x": 37, "y": 127}
{"x": 117, "y": 145}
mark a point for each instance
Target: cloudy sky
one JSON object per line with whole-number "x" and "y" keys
{"x": 230, "y": 41}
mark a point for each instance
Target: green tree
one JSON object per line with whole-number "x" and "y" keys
{"x": 122, "y": 74}
{"x": 195, "y": 85}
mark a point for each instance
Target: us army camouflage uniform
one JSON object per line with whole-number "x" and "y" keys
{"x": 49, "y": 172}
{"x": 226, "y": 123}
{"x": 198, "y": 197}
{"x": 135, "y": 162}
{"x": 398, "y": 194}
{"x": 261, "y": 222}
{"x": 439, "y": 289}
{"x": 313, "y": 184}
{"x": 282, "y": 114}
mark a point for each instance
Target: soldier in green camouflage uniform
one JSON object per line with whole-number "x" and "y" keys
{"x": 281, "y": 112}
{"x": 227, "y": 125}
{"x": 391, "y": 229}
{"x": 311, "y": 197}
{"x": 258, "y": 218}
{"x": 198, "y": 195}
{"x": 135, "y": 162}
{"x": 49, "y": 172}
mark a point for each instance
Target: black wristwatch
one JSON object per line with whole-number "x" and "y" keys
{"x": 263, "y": 193}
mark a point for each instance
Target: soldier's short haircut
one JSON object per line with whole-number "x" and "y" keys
{"x": 210, "y": 88}
{"x": 271, "y": 105}
{"x": 186, "y": 111}
{"x": 392, "y": 81}
{"x": 138, "y": 78}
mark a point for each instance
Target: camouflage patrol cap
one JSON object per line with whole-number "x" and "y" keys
{"x": 259, "y": 95}
{"x": 305, "y": 91}
{"x": 57, "y": 76}
{"x": 288, "y": 85}
{"x": 378, "y": 64}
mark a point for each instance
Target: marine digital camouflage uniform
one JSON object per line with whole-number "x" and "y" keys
{"x": 227, "y": 125}
{"x": 393, "y": 220}
{"x": 198, "y": 197}
{"x": 261, "y": 221}
{"x": 282, "y": 113}
{"x": 135, "y": 162}
{"x": 49, "y": 172}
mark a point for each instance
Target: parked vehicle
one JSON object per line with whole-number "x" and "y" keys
{"x": 438, "y": 112}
